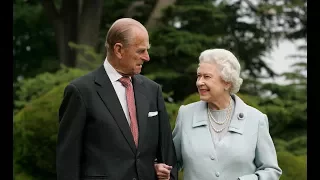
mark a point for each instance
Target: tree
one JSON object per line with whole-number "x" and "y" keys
{"x": 181, "y": 34}
{"x": 75, "y": 21}
{"x": 34, "y": 49}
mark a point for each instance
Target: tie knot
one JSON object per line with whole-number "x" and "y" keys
{"x": 125, "y": 81}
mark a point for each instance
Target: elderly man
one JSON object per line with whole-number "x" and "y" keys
{"x": 113, "y": 121}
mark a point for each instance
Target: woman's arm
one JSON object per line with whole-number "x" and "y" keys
{"x": 266, "y": 156}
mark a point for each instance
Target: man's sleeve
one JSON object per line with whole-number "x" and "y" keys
{"x": 72, "y": 116}
{"x": 166, "y": 152}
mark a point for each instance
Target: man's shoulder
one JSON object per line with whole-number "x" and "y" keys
{"x": 146, "y": 80}
{"x": 83, "y": 80}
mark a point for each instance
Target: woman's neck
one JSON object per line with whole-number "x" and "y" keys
{"x": 222, "y": 103}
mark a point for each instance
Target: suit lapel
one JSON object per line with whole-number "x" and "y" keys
{"x": 142, "y": 107}
{"x": 109, "y": 97}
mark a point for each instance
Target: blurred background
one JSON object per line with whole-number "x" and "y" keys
{"x": 55, "y": 41}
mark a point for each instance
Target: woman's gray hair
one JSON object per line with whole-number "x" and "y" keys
{"x": 228, "y": 65}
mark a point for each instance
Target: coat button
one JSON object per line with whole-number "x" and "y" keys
{"x": 217, "y": 174}
{"x": 240, "y": 116}
{"x": 134, "y": 178}
{"x": 211, "y": 157}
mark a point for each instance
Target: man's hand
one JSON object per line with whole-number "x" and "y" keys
{"x": 163, "y": 171}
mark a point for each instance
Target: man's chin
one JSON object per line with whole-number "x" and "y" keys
{"x": 137, "y": 71}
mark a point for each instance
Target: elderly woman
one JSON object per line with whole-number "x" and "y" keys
{"x": 220, "y": 136}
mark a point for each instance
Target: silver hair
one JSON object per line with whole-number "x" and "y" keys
{"x": 228, "y": 64}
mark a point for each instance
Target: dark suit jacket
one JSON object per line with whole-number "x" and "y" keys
{"x": 94, "y": 139}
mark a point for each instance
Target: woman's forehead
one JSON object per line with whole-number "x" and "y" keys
{"x": 206, "y": 67}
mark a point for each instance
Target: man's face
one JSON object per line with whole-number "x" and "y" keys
{"x": 136, "y": 53}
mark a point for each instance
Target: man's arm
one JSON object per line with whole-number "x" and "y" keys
{"x": 166, "y": 152}
{"x": 72, "y": 116}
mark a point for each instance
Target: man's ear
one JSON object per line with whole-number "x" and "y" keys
{"x": 118, "y": 50}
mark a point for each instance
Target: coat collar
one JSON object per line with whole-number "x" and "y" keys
{"x": 200, "y": 116}
{"x": 239, "y": 116}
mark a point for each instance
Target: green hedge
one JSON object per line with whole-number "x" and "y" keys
{"x": 293, "y": 167}
{"x": 35, "y": 132}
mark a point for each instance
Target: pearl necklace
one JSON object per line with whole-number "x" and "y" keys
{"x": 211, "y": 118}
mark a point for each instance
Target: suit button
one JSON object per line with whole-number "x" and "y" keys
{"x": 211, "y": 157}
{"x": 217, "y": 174}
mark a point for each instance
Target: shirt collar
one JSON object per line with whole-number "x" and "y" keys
{"x": 112, "y": 73}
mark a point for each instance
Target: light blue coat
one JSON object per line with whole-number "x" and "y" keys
{"x": 246, "y": 152}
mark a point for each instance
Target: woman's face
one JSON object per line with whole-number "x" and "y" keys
{"x": 209, "y": 82}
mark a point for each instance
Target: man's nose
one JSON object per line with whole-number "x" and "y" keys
{"x": 146, "y": 56}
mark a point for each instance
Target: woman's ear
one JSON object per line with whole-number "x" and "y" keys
{"x": 118, "y": 50}
{"x": 227, "y": 86}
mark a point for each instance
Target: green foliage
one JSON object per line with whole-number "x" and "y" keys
{"x": 35, "y": 133}
{"x": 34, "y": 47}
{"x": 31, "y": 88}
{"x": 172, "y": 110}
{"x": 191, "y": 98}
{"x": 22, "y": 176}
{"x": 181, "y": 35}
{"x": 251, "y": 100}
{"x": 88, "y": 59}
{"x": 293, "y": 167}
{"x": 297, "y": 146}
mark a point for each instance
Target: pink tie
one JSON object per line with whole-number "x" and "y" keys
{"x": 125, "y": 81}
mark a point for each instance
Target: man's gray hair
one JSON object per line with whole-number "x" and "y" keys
{"x": 228, "y": 65}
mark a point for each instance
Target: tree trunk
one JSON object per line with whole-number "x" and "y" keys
{"x": 89, "y": 25}
{"x": 78, "y": 21}
{"x": 65, "y": 27}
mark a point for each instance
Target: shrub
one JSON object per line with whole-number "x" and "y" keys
{"x": 32, "y": 88}
{"x": 35, "y": 132}
{"x": 293, "y": 167}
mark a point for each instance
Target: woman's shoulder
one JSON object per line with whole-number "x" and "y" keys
{"x": 254, "y": 111}
{"x": 192, "y": 106}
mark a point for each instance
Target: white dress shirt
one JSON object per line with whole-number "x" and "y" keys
{"x": 118, "y": 87}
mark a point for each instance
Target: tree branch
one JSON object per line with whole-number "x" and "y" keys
{"x": 157, "y": 12}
